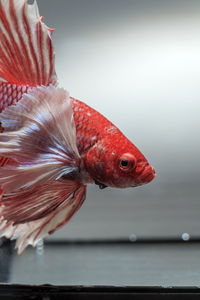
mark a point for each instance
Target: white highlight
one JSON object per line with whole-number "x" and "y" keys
{"x": 185, "y": 236}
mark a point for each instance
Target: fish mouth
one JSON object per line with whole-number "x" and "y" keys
{"x": 147, "y": 174}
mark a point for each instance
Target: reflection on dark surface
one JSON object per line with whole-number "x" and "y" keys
{"x": 5, "y": 260}
{"x": 131, "y": 264}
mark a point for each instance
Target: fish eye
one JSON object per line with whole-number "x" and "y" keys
{"x": 127, "y": 162}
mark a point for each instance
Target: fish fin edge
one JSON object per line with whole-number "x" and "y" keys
{"x": 68, "y": 199}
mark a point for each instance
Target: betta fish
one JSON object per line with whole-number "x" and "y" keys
{"x": 51, "y": 144}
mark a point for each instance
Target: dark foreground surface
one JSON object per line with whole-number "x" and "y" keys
{"x": 101, "y": 292}
{"x": 102, "y": 270}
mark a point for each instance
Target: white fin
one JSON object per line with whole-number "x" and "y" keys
{"x": 58, "y": 202}
{"x": 26, "y": 52}
{"x": 40, "y": 137}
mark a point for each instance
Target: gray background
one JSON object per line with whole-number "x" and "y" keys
{"x": 138, "y": 63}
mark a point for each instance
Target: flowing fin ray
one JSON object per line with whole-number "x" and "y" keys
{"x": 40, "y": 136}
{"x": 26, "y": 51}
{"x": 28, "y": 218}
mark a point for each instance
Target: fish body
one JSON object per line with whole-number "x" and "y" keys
{"x": 51, "y": 144}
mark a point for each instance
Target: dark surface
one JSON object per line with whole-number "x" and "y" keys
{"x": 103, "y": 292}
{"x": 5, "y": 260}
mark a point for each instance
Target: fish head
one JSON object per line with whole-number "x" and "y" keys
{"x": 118, "y": 163}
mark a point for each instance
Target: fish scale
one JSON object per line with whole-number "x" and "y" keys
{"x": 10, "y": 94}
{"x": 91, "y": 126}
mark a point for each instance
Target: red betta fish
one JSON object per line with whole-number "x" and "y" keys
{"x": 51, "y": 145}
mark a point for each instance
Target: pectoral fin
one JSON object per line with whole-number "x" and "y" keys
{"x": 40, "y": 138}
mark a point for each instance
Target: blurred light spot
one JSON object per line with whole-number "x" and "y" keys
{"x": 185, "y": 236}
{"x": 40, "y": 247}
{"x": 133, "y": 237}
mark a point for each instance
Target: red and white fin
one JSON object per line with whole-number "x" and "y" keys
{"x": 29, "y": 215}
{"x": 26, "y": 51}
{"x": 37, "y": 193}
{"x": 3, "y": 161}
{"x": 40, "y": 138}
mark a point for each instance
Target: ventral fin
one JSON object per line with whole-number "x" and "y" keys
{"x": 31, "y": 214}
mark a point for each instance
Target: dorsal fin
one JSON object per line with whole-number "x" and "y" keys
{"x": 26, "y": 52}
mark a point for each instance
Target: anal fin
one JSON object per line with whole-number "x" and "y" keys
{"x": 30, "y": 215}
